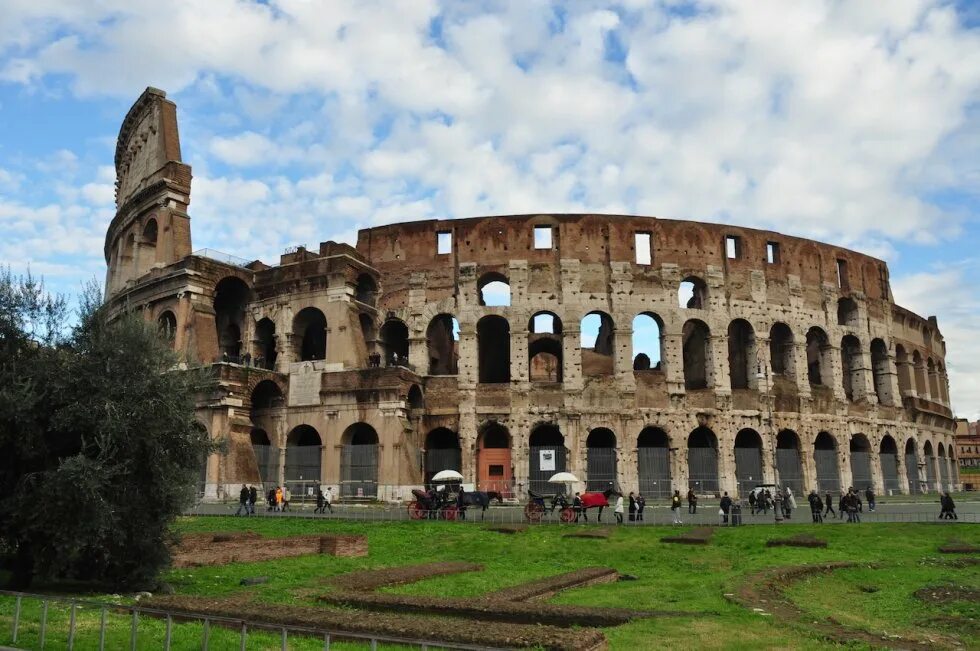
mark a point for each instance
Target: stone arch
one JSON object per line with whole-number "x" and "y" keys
{"x": 495, "y": 470}
{"x": 819, "y": 372}
{"x": 597, "y": 328}
{"x": 788, "y": 460}
{"x": 266, "y": 352}
{"x": 393, "y": 337}
{"x": 231, "y": 297}
{"x": 904, "y": 372}
{"x": 303, "y": 454}
{"x": 167, "y": 327}
{"x": 148, "y": 246}
{"x": 493, "y": 343}
{"x": 944, "y": 483}
{"x": 366, "y": 289}
{"x": 748, "y": 460}
{"x": 782, "y": 353}
{"x": 692, "y": 293}
{"x": 696, "y": 338}
{"x": 928, "y": 454}
{"x": 825, "y": 459}
{"x": 653, "y": 462}
{"x": 921, "y": 388}
{"x": 860, "y": 448}
{"x": 888, "y": 458}
{"x": 493, "y": 289}
{"x": 359, "y": 462}
{"x": 880, "y": 367}
{"x": 547, "y": 456}
{"x": 741, "y": 354}
{"x": 544, "y": 347}
{"x": 267, "y": 395}
{"x": 442, "y": 344}
{"x": 601, "y": 462}
{"x": 415, "y": 398}
{"x": 912, "y": 466}
{"x": 851, "y": 371}
{"x": 442, "y": 452}
{"x": 702, "y": 461}
{"x": 310, "y": 334}
{"x": 648, "y": 336}
{"x": 847, "y": 312}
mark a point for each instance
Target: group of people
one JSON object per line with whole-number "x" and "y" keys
{"x": 278, "y": 499}
{"x": 760, "y": 501}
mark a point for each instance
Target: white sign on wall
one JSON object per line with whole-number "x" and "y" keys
{"x": 546, "y": 460}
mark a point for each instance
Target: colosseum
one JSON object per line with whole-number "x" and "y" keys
{"x": 653, "y": 353}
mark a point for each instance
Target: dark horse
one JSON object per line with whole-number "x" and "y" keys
{"x": 477, "y": 498}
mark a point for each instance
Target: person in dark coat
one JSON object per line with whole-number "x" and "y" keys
{"x": 752, "y": 502}
{"x": 830, "y": 506}
{"x": 766, "y": 501}
{"x": 253, "y": 497}
{"x": 842, "y": 506}
{"x": 242, "y": 501}
{"x": 271, "y": 499}
{"x": 632, "y": 507}
{"x": 692, "y": 502}
{"x": 320, "y": 500}
{"x": 577, "y": 507}
{"x": 869, "y": 495}
{"x": 816, "y": 506}
{"x": 948, "y": 507}
{"x": 726, "y": 507}
{"x": 641, "y": 503}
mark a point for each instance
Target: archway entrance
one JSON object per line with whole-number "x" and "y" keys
{"x": 702, "y": 461}
{"x": 888, "y": 457}
{"x": 912, "y": 467}
{"x": 600, "y": 459}
{"x": 860, "y": 462}
{"x": 930, "y": 466}
{"x": 359, "y": 462}
{"x": 825, "y": 459}
{"x": 442, "y": 452}
{"x": 547, "y": 456}
{"x": 748, "y": 460}
{"x": 303, "y": 455}
{"x": 653, "y": 460}
{"x": 788, "y": 461}
{"x": 494, "y": 469}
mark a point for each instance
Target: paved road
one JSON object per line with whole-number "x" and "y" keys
{"x": 968, "y": 512}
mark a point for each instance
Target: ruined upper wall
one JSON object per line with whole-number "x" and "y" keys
{"x": 148, "y": 140}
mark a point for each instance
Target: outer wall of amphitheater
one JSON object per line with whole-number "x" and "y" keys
{"x": 369, "y": 367}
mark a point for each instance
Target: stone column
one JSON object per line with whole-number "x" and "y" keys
{"x": 623, "y": 358}
{"x": 834, "y": 376}
{"x": 877, "y": 478}
{"x": 903, "y": 478}
{"x": 520, "y": 368}
{"x": 862, "y": 379}
{"x": 571, "y": 357}
{"x": 718, "y": 376}
{"x": 801, "y": 369}
{"x": 844, "y": 461}
{"x": 673, "y": 362}
{"x": 468, "y": 356}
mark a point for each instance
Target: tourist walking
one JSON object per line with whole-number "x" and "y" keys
{"x": 752, "y": 502}
{"x": 619, "y": 509}
{"x": 692, "y": 501}
{"x": 320, "y": 500}
{"x": 947, "y": 507}
{"x": 287, "y": 497}
{"x": 577, "y": 507}
{"x": 278, "y": 498}
{"x": 253, "y": 497}
{"x": 641, "y": 503}
{"x": 242, "y": 501}
{"x": 816, "y": 506}
{"x": 270, "y": 499}
{"x": 766, "y": 501}
{"x": 675, "y": 507}
{"x": 328, "y": 496}
{"x": 869, "y": 495}
{"x": 726, "y": 507}
{"x": 632, "y": 508}
{"x": 842, "y": 506}
{"x": 830, "y": 506}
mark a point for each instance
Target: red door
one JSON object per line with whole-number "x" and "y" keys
{"x": 494, "y": 473}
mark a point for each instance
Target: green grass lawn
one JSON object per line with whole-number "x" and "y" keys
{"x": 669, "y": 577}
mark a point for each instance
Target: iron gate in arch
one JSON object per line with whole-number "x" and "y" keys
{"x": 889, "y": 472}
{"x": 359, "y": 471}
{"x": 748, "y": 468}
{"x": 538, "y": 477}
{"x": 860, "y": 470}
{"x": 912, "y": 473}
{"x": 790, "y": 469}
{"x": 828, "y": 474}
{"x": 600, "y": 468}
{"x": 653, "y": 466}
{"x": 702, "y": 465}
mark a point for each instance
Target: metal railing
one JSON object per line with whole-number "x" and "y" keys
{"x": 135, "y": 614}
{"x": 220, "y": 256}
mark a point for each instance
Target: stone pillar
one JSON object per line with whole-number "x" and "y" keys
{"x": 835, "y": 375}
{"x": 844, "y": 461}
{"x": 891, "y": 379}
{"x": 678, "y": 468}
{"x": 877, "y": 479}
{"x": 801, "y": 369}
{"x": 623, "y": 359}
{"x": 862, "y": 379}
{"x": 468, "y": 371}
{"x": 673, "y": 362}
{"x": 520, "y": 368}
{"x": 718, "y": 376}
{"x": 726, "y": 468}
{"x": 809, "y": 465}
{"x": 284, "y": 351}
{"x": 903, "y": 478}
{"x": 908, "y": 370}
{"x": 571, "y": 357}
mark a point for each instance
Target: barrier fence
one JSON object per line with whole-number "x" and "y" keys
{"x": 39, "y": 621}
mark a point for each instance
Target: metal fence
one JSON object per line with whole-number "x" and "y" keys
{"x": 790, "y": 469}
{"x": 748, "y": 468}
{"x": 544, "y": 461}
{"x": 601, "y": 468}
{"x": 912, "y": 473}
{"x": 37, "y": 621}
{"x": 889, "y": 471}
{"x": 861, "y": 470}
{"x": 654, "y": 471}
{"x": 359, "y": 471}
{"x": 702, "y": 470}
{"x": 828, "y": 474}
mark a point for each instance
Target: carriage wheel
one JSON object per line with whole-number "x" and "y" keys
{"x": 450, "y": 513}
{"x": 416, "y": 511}
{"x": 533, "y": 512}
{"x": 567, "y": 515}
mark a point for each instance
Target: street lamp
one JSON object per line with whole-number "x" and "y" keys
{"x": 762, "y": 373}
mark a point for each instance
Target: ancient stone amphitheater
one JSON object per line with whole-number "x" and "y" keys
{"x": 653, "y": 353}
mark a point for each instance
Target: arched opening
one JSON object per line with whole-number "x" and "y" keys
{"x": 167, "y": 326}
{"x": 442, "y": 343}
{"x": 782, "y": 354}
{"x": 494, "y": 469}
{"x": 788, "y": 460}
{"x": 415, "y": 399}
{"x": 934, "y": 394}
{"x": 494, "y": 290}
{"x": 310, "y": 333}
{"x": 692, "y": 294}
{"x": 653, "y": 462}
{"x": 493, "y": 342}
{"x": 748, "y": 460}
{"x": 597, "y": 344}
{"x": 303, "y": 455}
{"x": 359, "y": 462}
{"x": 366, "y": 290}
{"x": 930, "y": 459}
{"x": 920, "y": 375}
{"x": 904, "y": 371}
{"x": 944, "y": 484}
{"x": 267, "y": 395}
{"x": 697, "y": 354}
{"x": 888, "y": 457}
{"x": 148, "y": 246}
{"x": 912, "y": 467}
{"x": 370, "y": 334}
{"x": 442, "y": 452}
{"x": 547, "y": 456}
{"x": 544, "y": 348}
{"x": 818, "y": 368}
{"x": 860, "y": 462}
{"x": 825, "y": 460}
{"x": 850, "y": 355}
{"x": 741, "y": 354}
{"x": 600, "y": 462}
{"x": 647, "y": 342}
{"x": 847, "y": 312}
{"x": 231, "y": 296}
{"x": 702, "y": 461}
{"x": 265, "y": 344}
{"x": 880, "y": 371}
{"x": 266, "y": 456}
{"x": 394, "y": 340}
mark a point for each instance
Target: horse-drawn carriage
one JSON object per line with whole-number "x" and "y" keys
{"x": 537, "y": 506}
{"x": 449, "y": 502}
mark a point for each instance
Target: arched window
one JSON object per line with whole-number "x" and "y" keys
{"x": 748, "y": 460}
{"x": 597, "y": 344}
{"x": 442, "y": 343}
{"x": 653, "y": 461}
{"x": 879, "y": 369}
{"x": 544, "y": 347}
{"x": 310, "y": 332}
{"x": 741, "y": 354}
{"x": 265, "y": 344}
{"x": 267, "y": 395}
{"x": 167, "y": 326}
{"x": 493, "y": 342}
{"x": 850, "y": 355}
{"x": 702, "y": 461}
{"x": 231, "y": 297}
{"x": 692, "y": 293}
{"x": 303, "y": 453}
{"x": 930, "y": 459}
{"x": 825, "y": 459}
{"x": 847, "y": 312}
{"x": 394, "y": 339}
{"x": 547, "y": 456}
{"x": 647, "y": 341}
{"x": 782, "y": 355}
{"x": 904, "y": 369}
{"x": 367, "y": 290}
{"x": 494, "y": 290}
{"x": 148, "y": 246}
{"x": 819, "y": 372}
{"x": 697, "y": 354}
{"x": 944, "y": 484}
{"x": 921, "y": 386}
{"x": 601, "y": 469}
{"x": 415, "y": 399}
{"x": 359, "y": 462}
{"x": 788, "y": 460}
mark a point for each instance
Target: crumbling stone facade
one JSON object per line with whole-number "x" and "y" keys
{"x": 370, "y": 367}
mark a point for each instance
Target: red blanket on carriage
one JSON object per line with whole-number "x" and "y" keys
{"x": 593, "y": 499}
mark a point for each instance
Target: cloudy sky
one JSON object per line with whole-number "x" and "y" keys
{"x": 852, "y": 122}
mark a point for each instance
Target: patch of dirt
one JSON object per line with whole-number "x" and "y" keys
{"x": 434, "y": 629}
{"x": 481, "y": 610}
{"x": 368, "y": 580}
{"x": 801, "y": 540}
{"x": 762, "y": 592}
{"x": 199, "y": 550}
{"x": 959, "y": 548}
{"x": 599, "y": 532}
{"x": 944, "y": 594}
{"x": 508, "y": 528}
{"x": 696, "y": 536}
{"x": 552, "y": 585}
